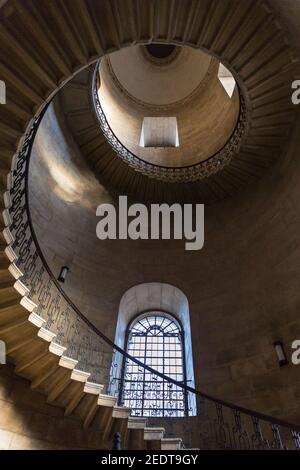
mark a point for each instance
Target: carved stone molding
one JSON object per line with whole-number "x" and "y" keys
{"x": 160, "y": 62}
{"x": 211, "y": 72}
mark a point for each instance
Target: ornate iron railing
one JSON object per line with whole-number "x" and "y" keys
{"x": 222, "y": 425}
{"x": 61, "y": 318}
{"x": 184, "y": 174}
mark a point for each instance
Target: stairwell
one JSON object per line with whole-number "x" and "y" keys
{"x": 66, "y": 39}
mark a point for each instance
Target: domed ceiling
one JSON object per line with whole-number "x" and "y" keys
{"x": 160, "y": 82}
{"x": 135, "y": 84}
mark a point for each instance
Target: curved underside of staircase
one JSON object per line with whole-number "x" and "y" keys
{"x": 43, "y": 45}
{"x": 77, "y": 104}
{"x": 246, "y": 36}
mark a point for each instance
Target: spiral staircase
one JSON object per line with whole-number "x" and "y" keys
{"x": 38, "y": 358}
{"x": 43, "y": 46}
{"x": 257, "y": 144}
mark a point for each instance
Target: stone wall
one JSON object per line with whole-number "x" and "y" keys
{"x": 243, "y": 287}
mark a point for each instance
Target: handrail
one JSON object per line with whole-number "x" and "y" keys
{"x": 257, "y": 415}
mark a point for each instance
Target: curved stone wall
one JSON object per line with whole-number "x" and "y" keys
{"x": 63, "y": 195}
{"x": 243, "y": 287}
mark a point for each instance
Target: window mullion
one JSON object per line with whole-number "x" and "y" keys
{"x": 163, "y": 366}
{"x": 144, "y": 374}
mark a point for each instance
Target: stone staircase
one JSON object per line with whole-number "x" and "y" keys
{"x": 38, "y": 358}
{"x": 43, "y": 45}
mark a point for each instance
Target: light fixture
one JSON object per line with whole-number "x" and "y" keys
{"x": 63, "y": 274}
{"x": 281, "y": 356}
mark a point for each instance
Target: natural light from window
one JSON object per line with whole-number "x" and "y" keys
{"x": 157, "y": 341}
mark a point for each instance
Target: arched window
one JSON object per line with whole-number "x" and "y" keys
{"x": 156, "y": 339}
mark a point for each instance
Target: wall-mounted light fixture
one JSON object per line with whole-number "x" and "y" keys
{"x": 63, "y": 274}
{"x": 280, "y": 352}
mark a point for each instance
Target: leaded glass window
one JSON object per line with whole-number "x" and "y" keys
{"x": 156, "y": 340}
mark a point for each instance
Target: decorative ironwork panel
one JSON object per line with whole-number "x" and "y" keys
{"x": 156, "y": 341}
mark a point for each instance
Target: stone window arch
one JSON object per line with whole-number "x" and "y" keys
{"x": 159, "y": 299}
